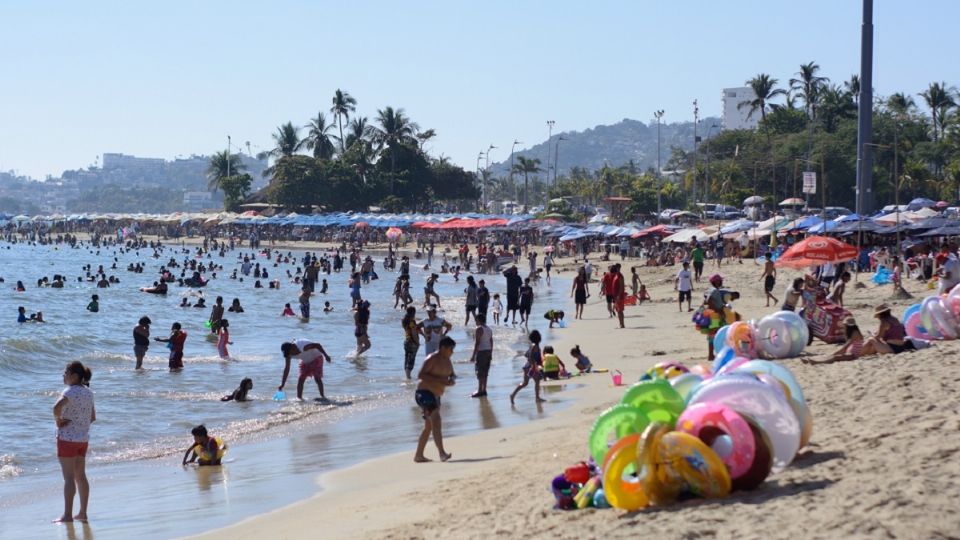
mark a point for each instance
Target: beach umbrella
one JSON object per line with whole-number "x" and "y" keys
{"x": 793, "y": 201}
{"x": 361, "y": 225}
{"x": 920, "y": 202}
{"x": 817, "y": 250}
{"x": 941, "y": 205}
{"x": 548, "y": 249}
{"x": 756, "y": 199}
{"x": 393, "y": 233}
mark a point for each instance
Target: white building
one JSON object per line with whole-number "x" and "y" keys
{"x": 197, "y": 200}
{"x": 734, "y": 116}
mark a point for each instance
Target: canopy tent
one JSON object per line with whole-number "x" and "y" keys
{"x": 684, "y": 236}
{"x": 738, "y": 226}
{"x": 753, "y": 200}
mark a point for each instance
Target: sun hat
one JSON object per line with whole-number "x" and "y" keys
{"x": 881, "y": 309}
{"x": 716, "y": 279}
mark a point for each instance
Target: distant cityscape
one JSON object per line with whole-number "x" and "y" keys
{"x": 122, "y": 183}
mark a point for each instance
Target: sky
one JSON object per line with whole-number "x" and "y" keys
{"x": 174, "y": 78}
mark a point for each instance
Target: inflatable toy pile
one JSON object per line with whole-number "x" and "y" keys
{"x": 682, "y": 433}
{"x": 937, "y": 317}
{"x": 783, "y": 334}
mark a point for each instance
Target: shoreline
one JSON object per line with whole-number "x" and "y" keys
{"x": 863, "y": 475}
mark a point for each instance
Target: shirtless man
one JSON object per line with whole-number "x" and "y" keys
{"x": 769, "y": 278}
{"x": 435, "y": 376}
{"x": 216, "y": 313}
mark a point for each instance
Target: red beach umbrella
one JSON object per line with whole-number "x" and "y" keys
{"x": 817, "y": 250}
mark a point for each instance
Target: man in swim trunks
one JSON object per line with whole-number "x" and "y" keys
{"x": 435, "y": 376}
{"x": 769, "y": 278}
{"x": 311, "y": 357}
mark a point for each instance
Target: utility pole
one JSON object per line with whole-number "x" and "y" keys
{"x": 486, "y": 171}
{"x": 550, "y": 124}
{"x": 658, "y": 115}
{"x": 696, "y": 139}
{"x": 228, "y": 155}
{"x": 865, "y": 113}
{"x": 556, "y": 158}
{"x": 516, "y": 194}
{"x": 480, "y": 177}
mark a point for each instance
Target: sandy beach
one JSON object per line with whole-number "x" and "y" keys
{"x": 881, "y": 463}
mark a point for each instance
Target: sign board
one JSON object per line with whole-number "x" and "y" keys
{"x": 810, "y": 182}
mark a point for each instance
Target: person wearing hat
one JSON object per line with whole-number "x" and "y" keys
{"x": 713, "y": 299}
{"x": 851, "y": 349}
{"x": 141, "y": 340}
{"x": 433, "y": 329}
{"x": 891, "y": 337}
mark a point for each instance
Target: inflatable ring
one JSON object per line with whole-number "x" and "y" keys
{"x": 782, "y": 374}
{"x": 915, "y": 329}
{"x": 732, "y": 365}
{"x": 657, "y": 391}
{"x": 761, "y": 402}
{"x": 664, "y": 370}
{"x": 797, "y": 328}
{"x": 926, "y": 317}
{"x": 624, "y": 441}
{"x": 722, "y": 357}
{"x": 657, "y": 492}
{"x": 762, "y": 461}
{"x": 944, "y": 320}
{"x": 708, "y": 421}
{"x": 684, "y": 456}
{"x": 684, "y": 384}
{"x": 741, "y": 338}
{"x": 720, "y": 339}
{"x": 619, "y": 420}
{"x": 620, "y": 492}
{"x": 773, "y": 337}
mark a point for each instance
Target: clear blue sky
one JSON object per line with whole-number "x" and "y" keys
{"x": 161, "y": 79}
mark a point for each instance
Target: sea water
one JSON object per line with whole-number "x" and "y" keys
{"x": 144, "y": 417}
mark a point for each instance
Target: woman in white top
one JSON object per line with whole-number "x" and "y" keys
{"x": 73, "y": 413}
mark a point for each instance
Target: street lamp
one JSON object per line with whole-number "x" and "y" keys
{"x": 556, "y": 158}
{"x": 550, "y": 124}
{"x": 896, "y": 194}
{"x": 516, "y": 193}
{"x": 696, "y": 139}
{"x": 658, "y": 115}
{"x": 706, "y": 186}
{"x": 480, "y": 176}
{"x": 486, "y": 171}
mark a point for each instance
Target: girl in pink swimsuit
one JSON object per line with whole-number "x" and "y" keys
{"x": 223, "y": 339}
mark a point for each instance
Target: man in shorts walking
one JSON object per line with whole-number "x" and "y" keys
{"x": 311, "y": 356}
{"x": 435, "y": 376}
{"x": 696, "y": 255}
{"x": 684, "y": 285}
{"x": 769, "y": 278}
{"x": 482, "y": 355}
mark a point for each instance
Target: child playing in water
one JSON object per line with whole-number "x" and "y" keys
{"x": 240, "y": 394}
{"x": 555, "y": 316}
{"x": 205, "y": 450}
{"x": 94, "y": 305}
{"x": 532, "y": 369}
{"x": 497, "y": 308}
{"x": 175, "y": 343}
{"x": 223, "y": 339}
{"x": 583, "y": 363}
{"x": 327, "y": 308}
{"x": 288, "y": 311}
{"x": 553, "y": 367}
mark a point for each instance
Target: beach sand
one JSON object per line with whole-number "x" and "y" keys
{"x": 883, "y": 460}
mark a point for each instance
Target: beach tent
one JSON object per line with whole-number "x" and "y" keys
{"x": 738, "y": 226}
{"x": 684, "y": 236}
{"x": 920, "y": 203}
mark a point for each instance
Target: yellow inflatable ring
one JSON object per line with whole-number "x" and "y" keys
{"x": 623, "y": 493}
{"x": 658, "y": 492}
{"x": 683, "y": 457}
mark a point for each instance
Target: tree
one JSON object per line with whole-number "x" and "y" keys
{"x": 296, "y": 182}
{"x": 835, "y": 104}
{"x": 318, "y": 138}
{"x": 940, "y": 99}
{"x": 901, "y": 104}
{"x": 222, "y": 165}
{"x": 765, "y": 89}
{"x": 342, "y": 105}
{"x": 235, "y": 188}
{"x": 395, "y": 128}
{"x": 526, "y": 166}
{"x": 424, "y": 136}
{"x": 359, "y": 131}
{"x": 287, "y": 140}
{"x": 853, "y": 86}
{"x": 808, "y": 87}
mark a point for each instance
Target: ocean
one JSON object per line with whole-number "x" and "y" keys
{"x": 144, "y": 417}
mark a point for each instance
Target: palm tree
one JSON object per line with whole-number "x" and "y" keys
{"x": 222, "y": 165}
{"x": 287, "y": 141}
{"x": 318, "y": 138}
{"x": 395, "y": 128}
{"x": 808, "y": 87}
{"x": 424, "y": 136}
{"x": 764, "y": 88}
{"x": 359, "y": 131}
{"x": 526, "y": 166}
{"x": 940, "y": 99}
{"x": 343, "y": 105}
{"x": 901, "y": 104}
{"x": 853, "y": 86}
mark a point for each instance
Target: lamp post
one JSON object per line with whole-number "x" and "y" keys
{"x": 896, "y": 196}
{"x": 516, "y": 194}
{"x": 696, "y": 139}
{"x": 658, "y": 115}
{"x": 706, "y": 183}
{"x": 480, "y": 176}
{"x": 556, "y": 158}
{"x": 228, "y": 155}
{"x": 550, "y": 124}
{"x": 486, "y": 171}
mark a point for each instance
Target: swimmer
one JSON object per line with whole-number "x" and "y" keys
{"x": 287, "y": 311}
{"x": 240, "y": 394}
{"x": 184, "y": 303}
{"x": 235, "y": 306}
{"x": 94, "y": 305}
{"x": 327, "y": 308}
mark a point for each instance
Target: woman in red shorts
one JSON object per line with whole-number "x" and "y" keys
{"x": 74, "y": 412}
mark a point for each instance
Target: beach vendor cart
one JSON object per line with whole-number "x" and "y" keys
{"x": 824, "y": 318}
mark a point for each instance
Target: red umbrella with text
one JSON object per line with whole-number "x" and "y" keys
{"x": 817, "y": 250}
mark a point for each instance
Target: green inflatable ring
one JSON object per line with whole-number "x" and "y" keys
{"x": 622, "y": 420}
{"x": 658, "y": 391}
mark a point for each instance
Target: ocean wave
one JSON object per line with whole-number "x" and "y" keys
{"x": 9, "y": 467}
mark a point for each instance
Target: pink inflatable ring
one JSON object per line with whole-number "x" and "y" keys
{"x": 709, "y": 421}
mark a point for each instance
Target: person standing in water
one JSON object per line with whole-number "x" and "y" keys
{"x": 433, "y": 329}
{"x": 216, "y": 313}
{"x": 223, "y": 339}
{"x": 141, "y": 340}
{"x": 411, "y": 339}
{"x": 532, "y": 369}
{"x": 482, "y": 354}
{"x": 94, "y": 305}
{"x": 435, "y": 376}
{"x": 73, "y": 414}
{"x": 311, "y": 356}
{"x": 361, "y": 321}
{"x": 176, "y": 340}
